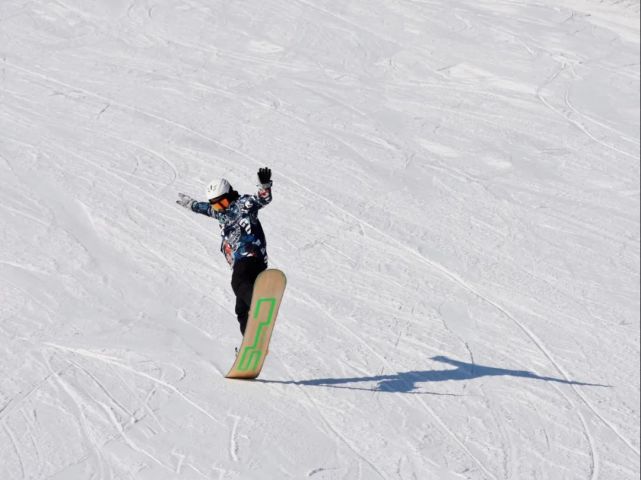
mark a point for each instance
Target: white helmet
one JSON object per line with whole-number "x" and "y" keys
{"x": 218, "y": 188}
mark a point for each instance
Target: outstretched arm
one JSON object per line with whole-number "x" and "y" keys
{"x": 203, "y": 208}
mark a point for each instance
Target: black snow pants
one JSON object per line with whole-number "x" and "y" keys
{"x": 242, "y": 281}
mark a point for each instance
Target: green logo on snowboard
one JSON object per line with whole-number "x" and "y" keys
{"x": 251, "y": 355}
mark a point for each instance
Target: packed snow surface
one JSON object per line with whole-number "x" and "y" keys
{"x": 456, "y": 206}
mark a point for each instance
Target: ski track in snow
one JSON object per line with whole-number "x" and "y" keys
{"x": 456, "y": 184}
{"x": 128, "y": 368}
{"x": 436, "y": 418}
{"x": 456, "y": 278}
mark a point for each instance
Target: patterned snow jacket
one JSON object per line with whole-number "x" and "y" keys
{"x": 241, "y": 231}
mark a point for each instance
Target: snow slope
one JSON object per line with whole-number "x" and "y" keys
{"x": 456, "y": 207}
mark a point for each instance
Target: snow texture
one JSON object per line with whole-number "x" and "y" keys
{"x": 456, "y": 205}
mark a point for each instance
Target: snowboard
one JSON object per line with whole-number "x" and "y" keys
{"x": 266, "y": 299}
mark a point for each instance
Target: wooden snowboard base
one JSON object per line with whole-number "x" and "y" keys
{"x": 266, "y": 299}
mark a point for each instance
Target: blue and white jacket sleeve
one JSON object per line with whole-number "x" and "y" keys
{"x": 204, "y": 208}
{"x": 253, "y": 203}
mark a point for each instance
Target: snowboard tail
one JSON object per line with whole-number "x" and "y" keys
{"x": 266, "y": 299}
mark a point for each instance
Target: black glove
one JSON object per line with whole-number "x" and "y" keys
{"x": 264, "y": 175}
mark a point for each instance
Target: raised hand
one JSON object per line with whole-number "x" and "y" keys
{"x": 264, "y": 175}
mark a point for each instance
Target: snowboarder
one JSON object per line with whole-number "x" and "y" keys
{"x": 243, "y": 240}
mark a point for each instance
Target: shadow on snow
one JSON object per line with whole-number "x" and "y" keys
{"x": 407, "y": 382}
